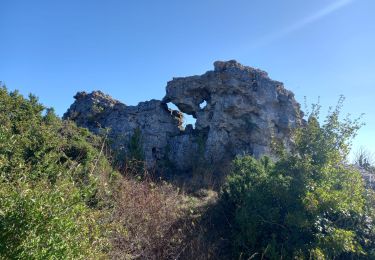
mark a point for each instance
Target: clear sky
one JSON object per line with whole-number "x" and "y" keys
{"x": 131, "y": 48}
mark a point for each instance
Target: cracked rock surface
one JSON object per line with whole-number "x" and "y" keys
{"x": 238, "y": 109}
{"x": 157, "y": 124}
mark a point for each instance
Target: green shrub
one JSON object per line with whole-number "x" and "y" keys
{"x": 53, "y": 183}
{"x": 135, "y": 146}
{"x": 309, "y": 203}
{"x": 135, "y": 158}
{"x": 41, "y": 221}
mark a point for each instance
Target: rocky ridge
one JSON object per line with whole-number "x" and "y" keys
{"x": 244, "y": 110}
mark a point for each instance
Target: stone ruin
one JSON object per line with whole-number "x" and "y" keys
{"x": 244, "y": 112}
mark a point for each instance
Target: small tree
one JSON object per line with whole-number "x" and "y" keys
{"x": 135, "y": 160}
{"x": 135, "y": 146}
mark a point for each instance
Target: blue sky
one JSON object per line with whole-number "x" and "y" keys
{"x": 130, "y": 49}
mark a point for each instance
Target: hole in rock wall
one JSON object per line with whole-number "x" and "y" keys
{"x": 203, "y": 104}
{"x": 187, "y": 119}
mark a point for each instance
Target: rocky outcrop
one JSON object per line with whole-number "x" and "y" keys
{"x": 238, "y": 110}
{"x": 156, "y": 122}
{"x": 244, "y": 109}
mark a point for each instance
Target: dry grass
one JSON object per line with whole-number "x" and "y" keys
{"x": 158, "y": 221}
{"x": 151, "y": 219}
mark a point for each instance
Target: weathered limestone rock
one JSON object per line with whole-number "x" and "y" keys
{"x": 156, "y": 122}
{"x": 244, "y": 111}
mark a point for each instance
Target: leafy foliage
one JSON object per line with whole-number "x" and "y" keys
{"x": 43, "y": 222}
{"x": 309, "y": 204}
{"x": 50, "y": 189}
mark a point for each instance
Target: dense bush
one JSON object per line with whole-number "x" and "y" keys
{"x": 61, "y": 199}
{"x": 40, "y": 221}
{"x": 309, "y": 204}
{"x": 52, "y": 184}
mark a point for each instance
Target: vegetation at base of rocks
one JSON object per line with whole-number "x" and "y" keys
{"x": 153, "y": 219}
{"x": 135, "y": 158}
{"x": 309, "y": 204}
{"x": 135, "y": 146}
{"x": 60, "y": 197}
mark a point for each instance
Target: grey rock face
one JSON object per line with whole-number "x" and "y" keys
{"x": 156, "y": 122}
{"x": 244, "y": 110}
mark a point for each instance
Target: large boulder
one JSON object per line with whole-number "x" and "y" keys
{"x": 238, "y": 110}
{"x": 244, "y": 109}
